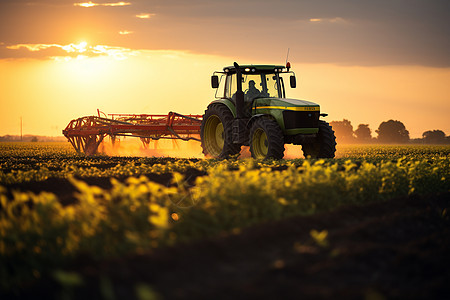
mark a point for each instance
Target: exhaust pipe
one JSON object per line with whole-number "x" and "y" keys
{"x": 239, "y": 93}
{"x": 240, "y": 130}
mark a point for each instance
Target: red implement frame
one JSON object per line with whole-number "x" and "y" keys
{"x": 86, "y": 133}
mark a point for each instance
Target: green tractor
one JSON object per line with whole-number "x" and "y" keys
{"x": 260, "y": 116}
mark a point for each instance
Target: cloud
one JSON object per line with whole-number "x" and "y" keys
{"x": 32, "y": 47}
{"x": 65, "y": 52}
{"x": 364, "y": 32}
{"x": 144, "y": 16}
{"x": 385, "y": 32}
{"x": 329, "y": 20}
{"x": 92, "y": 4}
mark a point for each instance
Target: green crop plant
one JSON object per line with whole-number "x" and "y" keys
{"x": 135, "y": 215}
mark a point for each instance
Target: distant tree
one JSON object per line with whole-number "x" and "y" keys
{"x": 392, "y": 132}
{"x": 434, "y": 137}
{"x": 34, "y": 139}
{"x": 363, "y": 133}
{"x": 343, "y": 131}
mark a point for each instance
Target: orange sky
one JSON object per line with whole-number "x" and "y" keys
{"x": 60, "y": 60}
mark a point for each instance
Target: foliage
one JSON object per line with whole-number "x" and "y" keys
{"x": 392, "y": 132}
{"x": 39, "y": 235}
{"x": 228, "y": 199}
{"x": 33, "y": 162}
{"x": 343, "y": 130}
{"x": 434, "y": 137}
{"x": 363, "y": 133}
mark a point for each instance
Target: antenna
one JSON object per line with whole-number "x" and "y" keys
{"x": 287, "y": 55}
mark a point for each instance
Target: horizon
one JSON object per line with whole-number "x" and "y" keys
{"x": 365, "y": 62}
{"x": 28, "y": 135}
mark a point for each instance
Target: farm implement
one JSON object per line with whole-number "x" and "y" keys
{"x": 258, "y": 115}
{"x": 87, "y": 133}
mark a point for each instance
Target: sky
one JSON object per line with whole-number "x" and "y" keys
{"x": 365, "y": 61}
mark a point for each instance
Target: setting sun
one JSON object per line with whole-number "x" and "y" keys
{"x": 80, "y": 48}
{"x": 85, "y": 4}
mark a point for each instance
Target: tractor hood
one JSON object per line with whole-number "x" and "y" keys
{"x": 283, "y": 103}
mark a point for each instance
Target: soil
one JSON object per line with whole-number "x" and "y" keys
{"x": 397, "y": 249}
{"x": 65, "y": 191}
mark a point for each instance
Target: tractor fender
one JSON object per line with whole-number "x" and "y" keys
{"x": 227, "y": 103}
{"x": 254, "y": 118}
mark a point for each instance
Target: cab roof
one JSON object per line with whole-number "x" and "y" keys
{"x": 255, "y": 69}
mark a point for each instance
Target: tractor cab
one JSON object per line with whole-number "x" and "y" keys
{"x": 257, "y": 81}
{"x": 266, "y": 80}
{"x": 251, "y": 109}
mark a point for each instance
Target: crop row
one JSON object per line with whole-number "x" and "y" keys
{"x": 20, "y": 163}
{"x": 38, "y": 234}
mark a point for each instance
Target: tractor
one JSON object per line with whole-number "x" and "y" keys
{"x": 259, "y": 116}
{"x": 251, "y": 109}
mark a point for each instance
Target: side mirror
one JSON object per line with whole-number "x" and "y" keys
{"x": 214, "y": 81}
{"x": 293, "y": 82}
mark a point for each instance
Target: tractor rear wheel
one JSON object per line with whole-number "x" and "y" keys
{"x": 216, "y": 132}
{"x": 266, "y": 139}
{"x": 325, "y": 144}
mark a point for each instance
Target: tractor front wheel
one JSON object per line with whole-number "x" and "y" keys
{"x": 325, "y": 144}
{"x": 266, "y": 139}
{"x": 216, "y": 132}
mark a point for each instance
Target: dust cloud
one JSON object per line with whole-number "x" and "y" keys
{"x": 156, "y": 148}
{"x": 292, "y": 151}
{"x": 173, "y": 148}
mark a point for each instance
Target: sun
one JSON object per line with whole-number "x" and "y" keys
{"x": 86, "y": 4}
{"x": 81, "y": 47}
{"x": 78, "y": 48}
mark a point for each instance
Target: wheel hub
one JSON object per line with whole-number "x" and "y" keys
{"x": 214, "y": 135}
{"x": 260, "y": 143}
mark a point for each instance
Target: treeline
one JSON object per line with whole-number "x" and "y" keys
{"x": 388, "y": 132}
{"x": 31, "y": 138}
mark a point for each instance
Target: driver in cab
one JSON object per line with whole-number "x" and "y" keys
{"x": 252, "y": 91}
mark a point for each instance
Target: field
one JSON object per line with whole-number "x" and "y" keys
{"x": 371, "y": 224}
